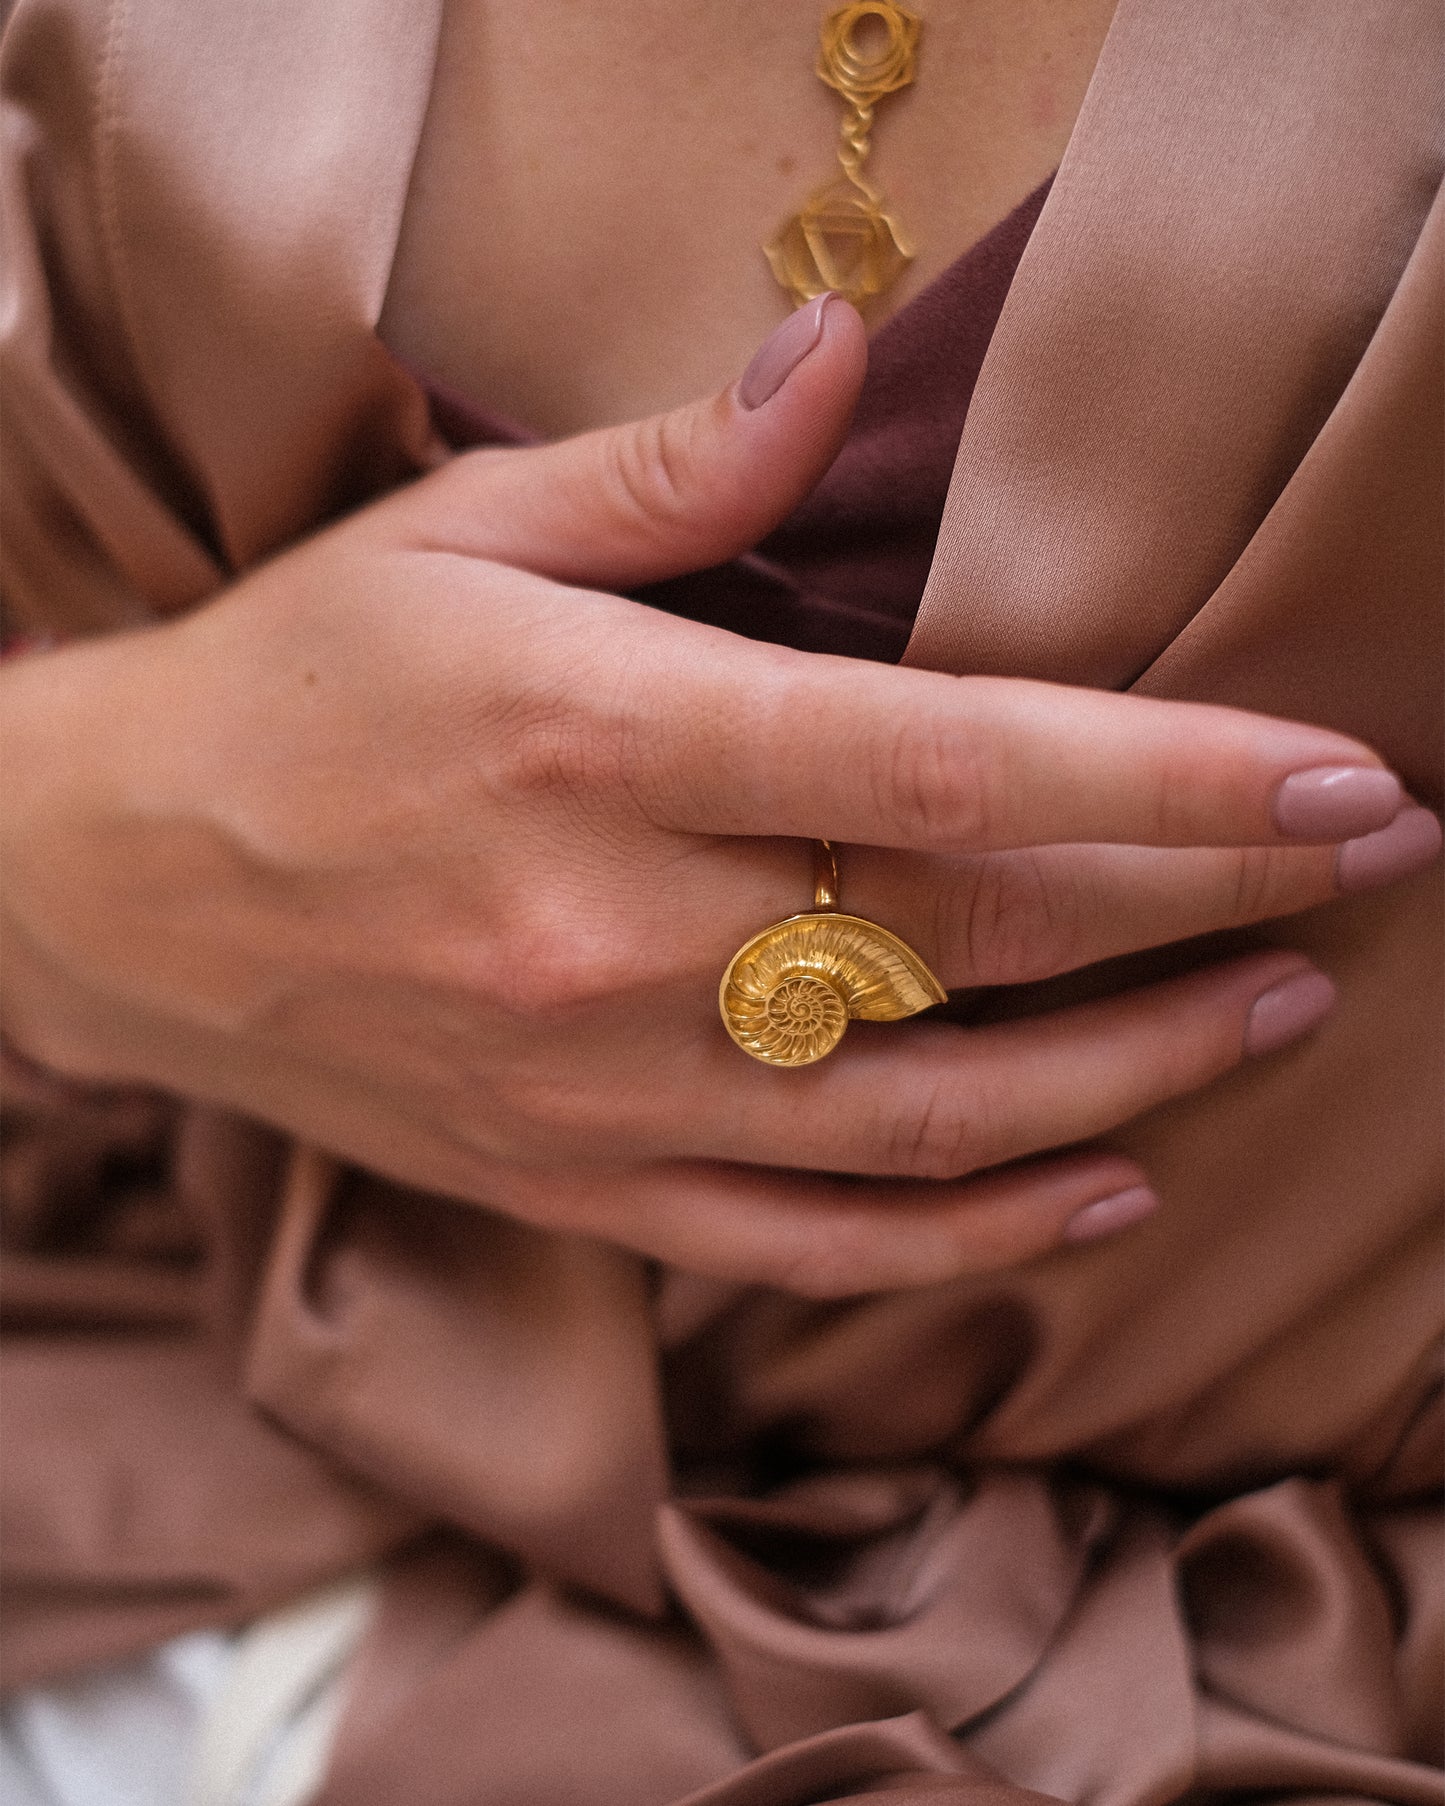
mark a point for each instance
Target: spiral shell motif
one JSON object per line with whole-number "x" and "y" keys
{"x": 788, "y": 994}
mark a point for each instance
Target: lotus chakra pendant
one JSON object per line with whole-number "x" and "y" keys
{"x": 844, "y": 237}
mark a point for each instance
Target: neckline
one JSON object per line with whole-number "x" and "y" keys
{"x": 436, "y": 10}
{"x": 948, "y": 277}
{"x": 487, "y": 424}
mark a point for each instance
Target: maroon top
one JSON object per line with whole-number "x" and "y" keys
{"x": 845, "y": 572}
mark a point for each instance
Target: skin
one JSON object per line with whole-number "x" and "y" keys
{"x": 421, "y": 843}
{"x": 581, "y": 241}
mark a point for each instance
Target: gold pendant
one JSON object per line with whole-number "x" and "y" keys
{"x": 791, "y": 991}
{"x": 844, "y": 238}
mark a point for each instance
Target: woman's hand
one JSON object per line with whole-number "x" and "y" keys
{"x": 412, "y": 846}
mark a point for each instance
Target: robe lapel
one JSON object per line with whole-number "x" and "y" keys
{"x": 252, "y": 237}
{"x": 1332, "y": 613}
{"x": 1240, "y": 196}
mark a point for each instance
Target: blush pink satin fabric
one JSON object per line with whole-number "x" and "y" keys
{"x": 1143, "y": 1521}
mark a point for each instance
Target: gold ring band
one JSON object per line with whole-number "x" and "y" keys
{"x": 790, "y": 992}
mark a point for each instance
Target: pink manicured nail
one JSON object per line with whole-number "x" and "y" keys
{"x": 1336, "y": 802}
{"x": 1108, "y": 1215}
{"x": 1409, "y": 844}
{"x": 779, "y": 356}
{"x": 1288, "y": 1010}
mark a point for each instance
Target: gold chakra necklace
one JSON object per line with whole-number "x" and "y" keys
{"x": 844, "y": 237}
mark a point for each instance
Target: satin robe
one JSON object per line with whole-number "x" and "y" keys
{"x": 1141, "y": 1521}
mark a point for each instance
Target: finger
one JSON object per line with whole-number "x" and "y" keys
{"x": 934, "y": 1101}
{"x": 753, "y": 739}
{"x": 1015, "y": 917}
{"x": 632, "y": 504}
{"x": 828, "y": 1238}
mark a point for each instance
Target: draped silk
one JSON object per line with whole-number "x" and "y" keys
{"x": 1144, "y": 1520}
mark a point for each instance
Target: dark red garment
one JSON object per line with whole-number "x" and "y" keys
{"x": 845, "y": 572}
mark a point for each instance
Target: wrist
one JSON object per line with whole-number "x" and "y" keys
{"x": 75, "y": 725}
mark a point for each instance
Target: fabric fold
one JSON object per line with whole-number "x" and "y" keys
{"x": 856, "y": 1596}
{"x": 499, "y": 1377}
{"x": 1135, "y": 418}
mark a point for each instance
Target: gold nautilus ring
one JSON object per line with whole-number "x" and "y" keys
{"x": 789, "y": 993}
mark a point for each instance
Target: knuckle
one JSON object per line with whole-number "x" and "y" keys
{"x": 935, "y": 786}
{"x": 550, "y": 968}
{"x": 1014, "y": 921}
{"x": 580, "y": 755}
{"x": 1175, "y": 799}
{"x": 1255, "y": 883}
{"x": 549, "y": 751}
{"x": 648, "y": 468}
{"x": 936, "y": 1139}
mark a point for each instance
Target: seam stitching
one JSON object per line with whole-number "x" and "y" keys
{"x": 107, "y": 115}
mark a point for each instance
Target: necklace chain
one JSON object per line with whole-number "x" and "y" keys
{"x": 844, "y": 238}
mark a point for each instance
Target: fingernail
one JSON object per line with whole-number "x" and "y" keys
{"x": 1287, "y": 1010}
{"x": 1106, "y": 1216}
{"x": 1409, "y": 844}
{"x": 779, "y": 356}
{"x": 1336, "y": 802}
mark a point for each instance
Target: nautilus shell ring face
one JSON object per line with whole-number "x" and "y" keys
{"x": 788, "y": 995}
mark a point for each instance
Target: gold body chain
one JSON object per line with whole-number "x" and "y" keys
{"x": 844, "y": 238}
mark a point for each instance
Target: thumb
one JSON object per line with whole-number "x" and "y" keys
{"x": 656, "y": 498}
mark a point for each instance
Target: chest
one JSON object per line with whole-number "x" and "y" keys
{"x": 582, "y": 236}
